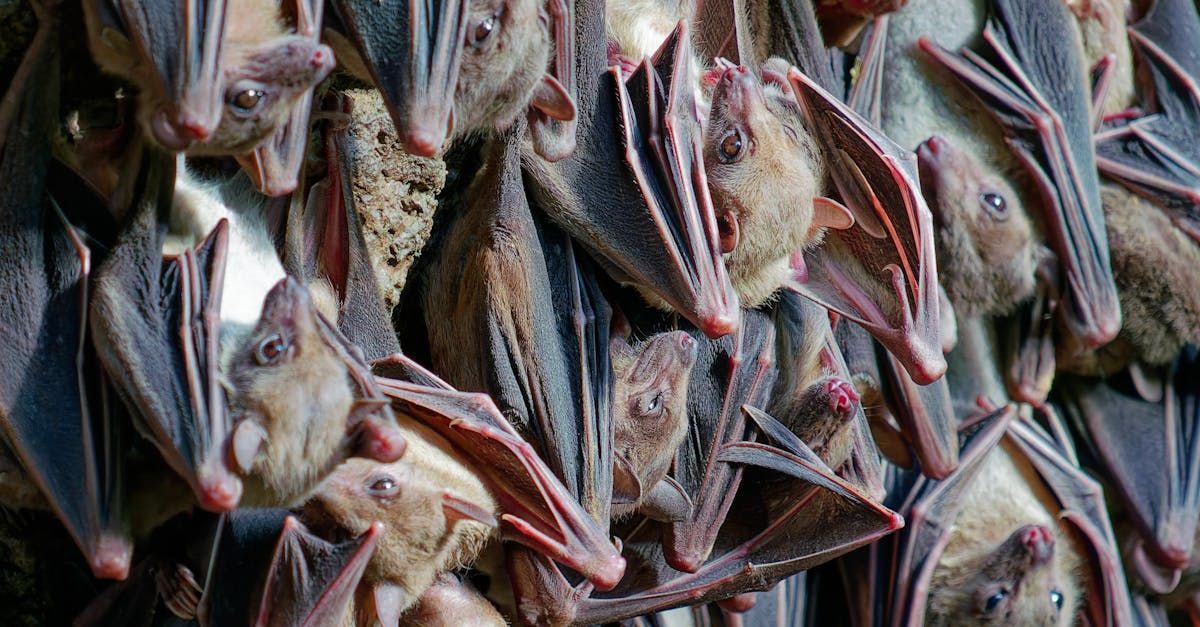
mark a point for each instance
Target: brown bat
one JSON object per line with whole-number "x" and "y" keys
{"x": 60, "y": 431}
{"x": 1148, "y": 413}
{"x": 1045, "y": 111}
{"x": 1018, "y": 559}
{"x": 651, "y": 181}
{"x": 218, "y": 78}
{"x": 436, "y": 512}
{"x": 302, "y": 401}
{"x": 649, "y": 423}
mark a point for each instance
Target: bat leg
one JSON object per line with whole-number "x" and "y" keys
{"x": 178, "y": 589}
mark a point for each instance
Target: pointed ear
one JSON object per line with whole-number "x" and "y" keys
{"x": 552, "y": 100}
{"x": 667, "y": 502}
{"x": 247, "y": 441}
{"x": 455, "y": 509}
{"x": 829, "y": 213}
{"x": 390, "y": 601}
{"x": 627, "y": 488}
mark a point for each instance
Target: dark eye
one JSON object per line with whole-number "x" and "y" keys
{"x": 655, "y": 404}
{"x": 1056, "y": 598}
{"x": 247, "y": 101}
{"x": 994, "y": 204}
{"x": 484, "y": 30}
{"x": 384, "y": 485}
{"x": 994, "y": 600}
{"x": 731, "y": 147}
{"x": 270, "y": 350}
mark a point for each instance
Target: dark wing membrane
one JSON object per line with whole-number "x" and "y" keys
{"x": 155, "y": 325}
{"x": 413, "y": 50}
{"x": 55, "y": 418}
{"x": 1157, "y": 156}
{"x": 1029, "y": 341}
{"x": 881, "y": 272}
{"x": 926, "y": 417}
{"x": 1036, "y": 88}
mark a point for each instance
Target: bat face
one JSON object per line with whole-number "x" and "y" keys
{"x": 1023, "y": 581}
{"x": 262, "y": 85}
{"x": 291, "y": 426}
{"x": 984, "y": 235}
{"x": 762, "y": 173}
{"x": 650, "y": 417}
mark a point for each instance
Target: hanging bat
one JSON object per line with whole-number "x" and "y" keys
{"x": 537, "y": 510}
{"x": 772, "y": 533}
{"x": 650, "y": 182}
{"x": 981, "y": 547}
{"x": 650, "y": 421}
{"x": 1154, "y": 155}
{"x": 1148, "y": 413}
{"x": 303, "y": 401}
{"x": 1028, "y": 338}
{"x": 55, "y": 417}
{"x": 436, "y": 514}
{"x": 218, "y": 78}
{"x": 1045, "y": 111}
{"x": 450, "y": 602}
{"x": 325, "y": 247}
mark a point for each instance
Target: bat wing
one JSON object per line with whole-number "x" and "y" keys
{"x": 730, "y": 373}
{"x": 54, "y": 411}
{"x": 1156, "y": 156}
{"x": 1038, "y": 93}
{"x": 183, "y": 42}
{"x": 155, "y": 323}
{"x": 792, "y": 33}
{"x": 539, "y": 512}
{"x": 1082, "y": 501}
{"x": 866, "y": 93}
{"x": 274, "y": 166}
{"x": 310, "y": 581}
{"x": 326, "y": 240}
{"x": 413, "y": 50}
{"x": 718, "y": 31}
{"x": 1030, "y": 341}
{"x": 1125, "y": 430}
{"x": 881, "y": 272}
{"x": 926, "y": 417}
{"x": 634, "y": 191}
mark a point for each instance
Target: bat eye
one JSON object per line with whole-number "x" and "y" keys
{"x": 247, "y": 101}
{"x": 270, "y": 350}
{"x": 654, "y": 405}
{"x": 994, "y": 204}
{"x": 731, "y": 147}
{"x": 1056, "y": 598}
{"x": 384, "y": 485}
{"x": 994, "y": 601}
{"x": 484, "y": 30}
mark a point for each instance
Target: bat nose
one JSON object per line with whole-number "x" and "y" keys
{"x": 719, "y": 324}
{"x": 423, "y": 142}
{"x": 220, "y": 494}
{"x": 1038, "y": 542}
{"x": 111, "y": 558}
{"x": 381, "y": 442}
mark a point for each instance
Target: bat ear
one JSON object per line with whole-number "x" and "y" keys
{"x": 829, "y": 213}
{"x": 455, "y": 509}
{"x": 774, "y": 72}
{"x": 667, "y": 502}
{"x": 388, "y": 598}
{"x": 247, "y": 441}
{"x": 551, "y": 99}
{"x": 627, "y": 488}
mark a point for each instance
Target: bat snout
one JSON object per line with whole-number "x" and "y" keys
{"x": 111, "y": 557}
{"x": 1038, "y": 543}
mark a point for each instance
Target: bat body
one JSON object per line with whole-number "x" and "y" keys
{"x": 436, "y": 512}
{"x": 450, "y": 602}
{"x": 649, "y": 423}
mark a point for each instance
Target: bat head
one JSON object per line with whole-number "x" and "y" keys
{"x": 650, "y": 408}
{"x": 293, "y": 400}
{"x": 762, "y": 172}
{"x": 1027, "y": 580}
{"x": 262, "y": 83}
{"x": 984, "y": 236}
{"x": 436, "y": 513}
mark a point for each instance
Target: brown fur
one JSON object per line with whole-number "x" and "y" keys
{"x": 418, "y": 543}
{"x": 1006, "y": 496}
{"x": 768, "y": 191}
{"x": 1102, "y": 25}
{"x": 650, "y": 406}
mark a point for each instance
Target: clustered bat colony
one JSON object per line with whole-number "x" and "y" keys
{"x": 868, "y": 312}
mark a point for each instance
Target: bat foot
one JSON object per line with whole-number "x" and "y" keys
{"x": 179, "y": 591}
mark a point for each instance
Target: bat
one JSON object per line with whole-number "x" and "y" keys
{"x": 1153, "y": 155}
{"x": 50, "y": 369}
{"x": 303, "y": 401}
{"x": 436, "y": 514}
{"x": 649, "y": 423}
{"x": 842, "y": 20}
{"x": 154, "y": 322}
{"x": 649, "y": 182}
{"x": 537, "y": 510}
{"x": 325, "y": 245}
{"x": 1147, "y": 413}
{"x": 763, "y": 169}
{"x": 218, "y": 78}
{"x": 1044, "y": 109}
{"x": 1029, "y": 340}
{"x": 450, "y": 602}
{"x": 950, "y": 564}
